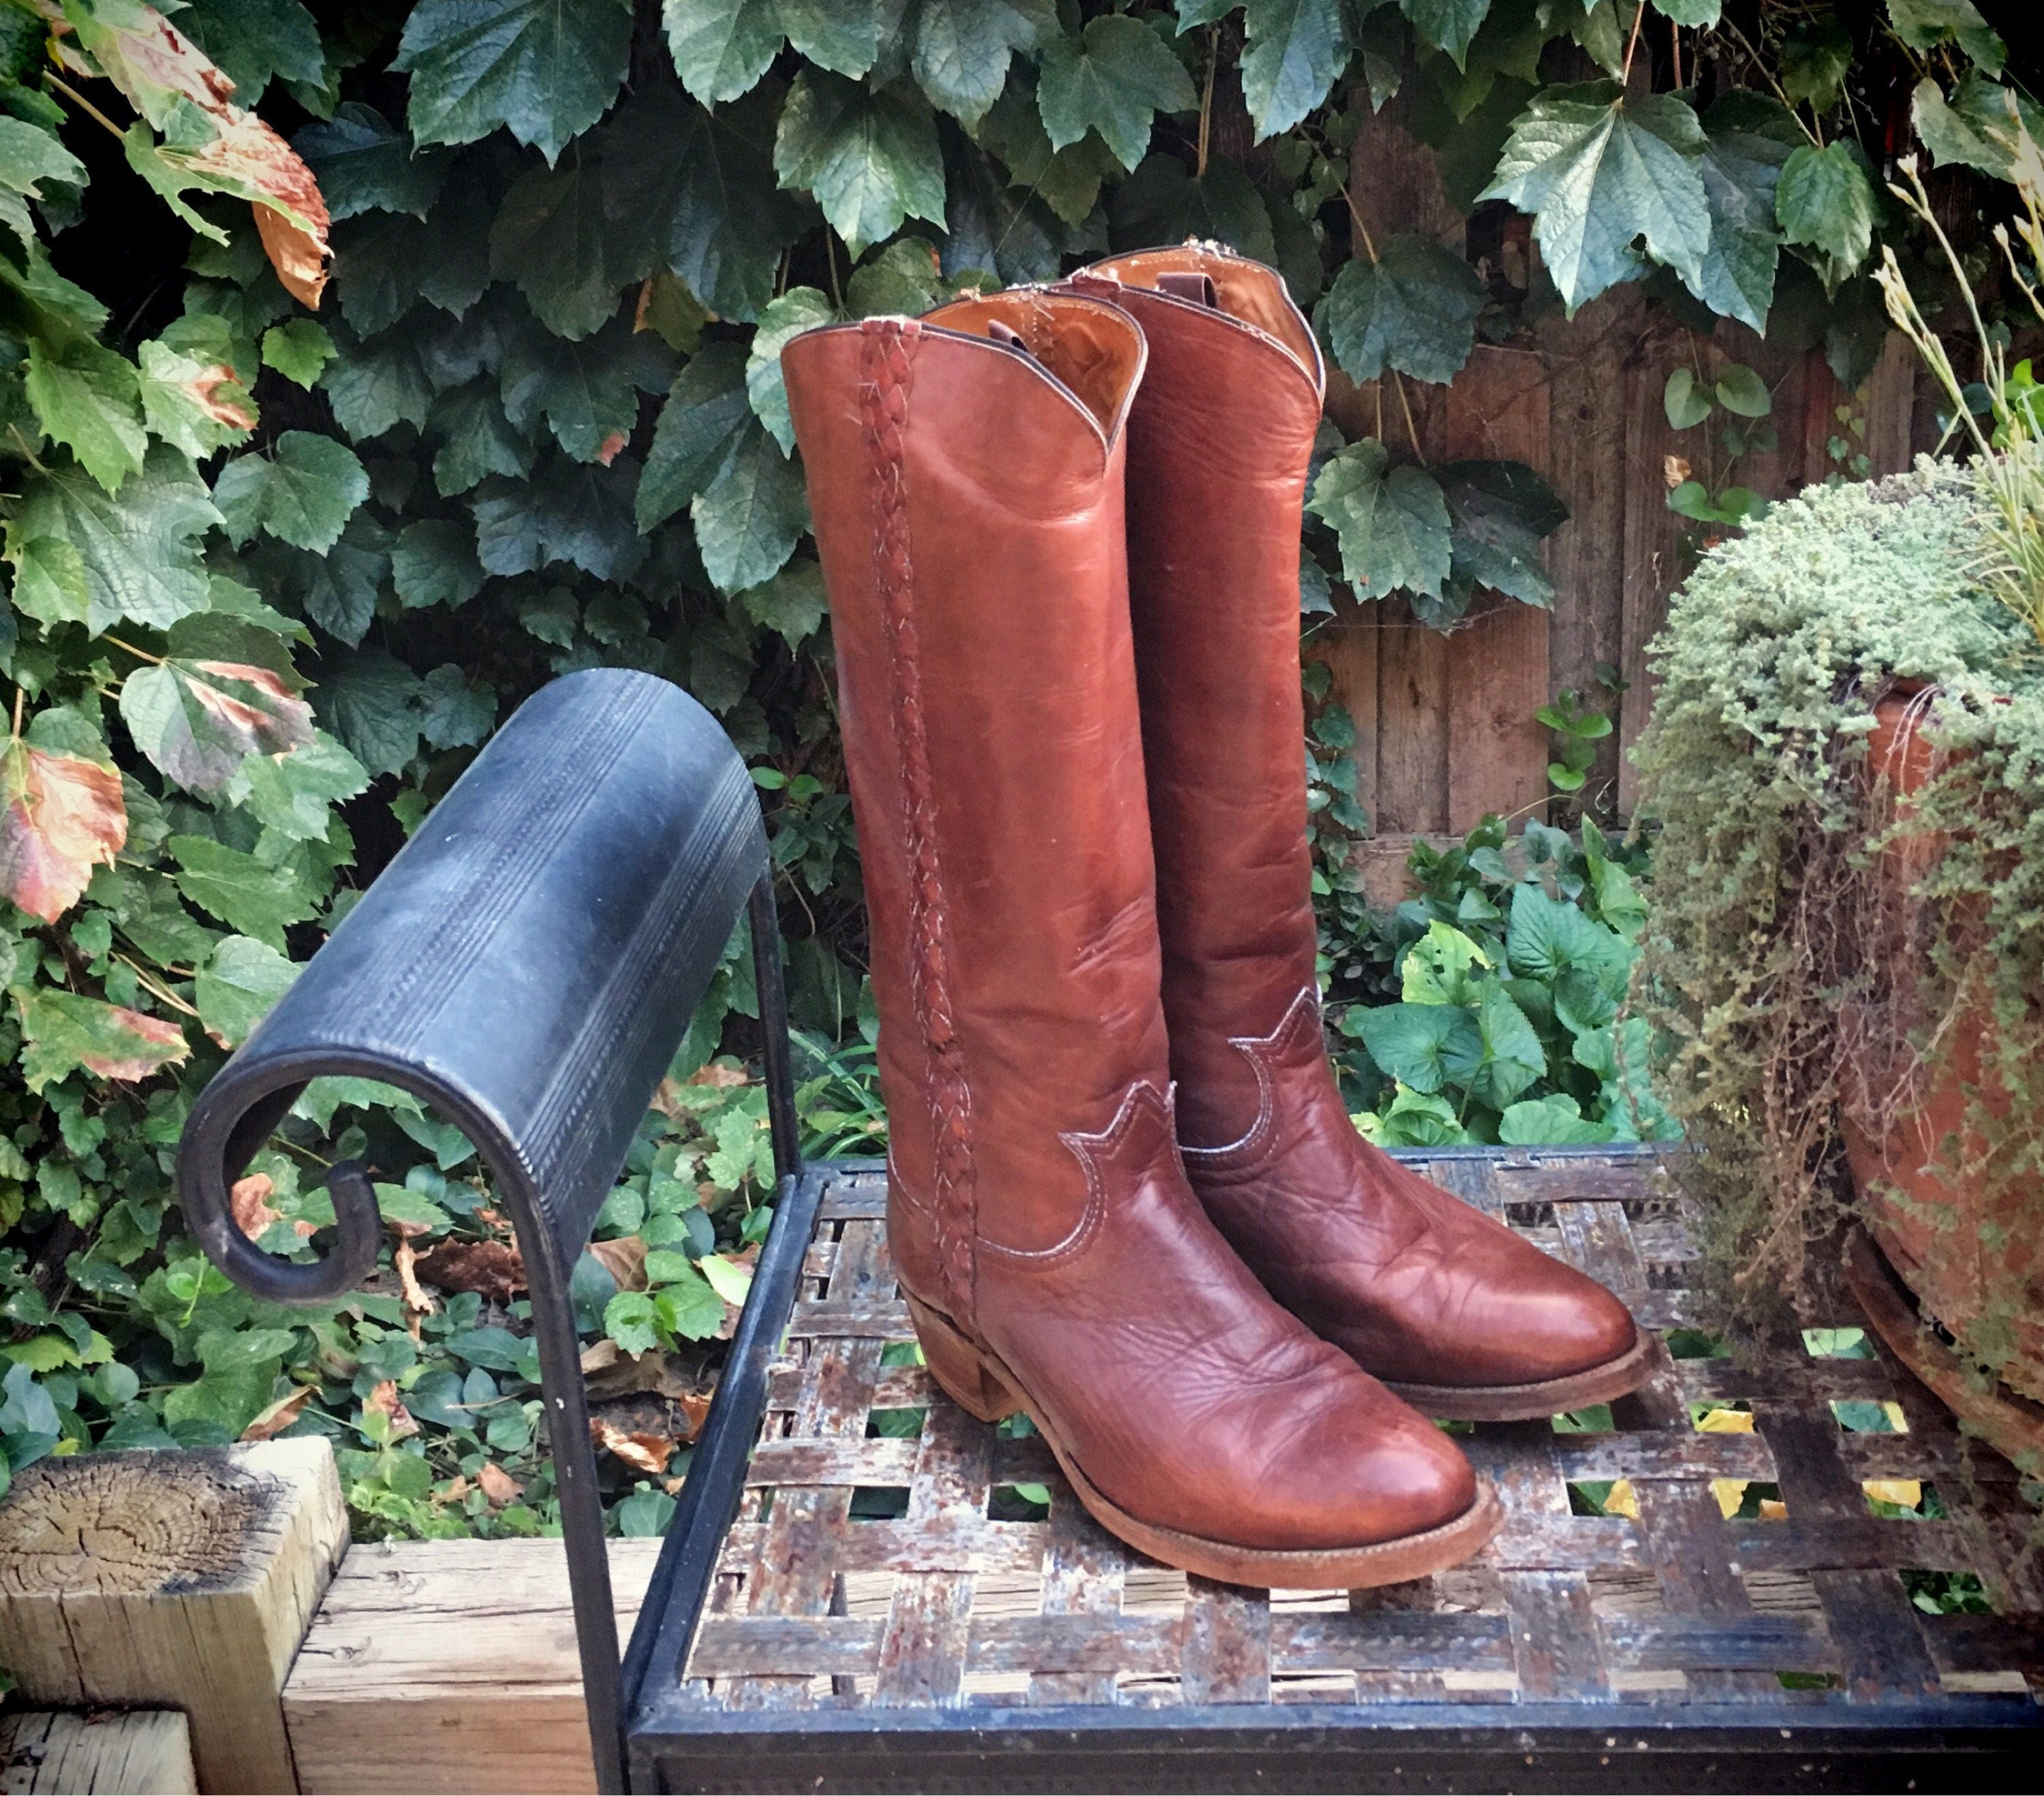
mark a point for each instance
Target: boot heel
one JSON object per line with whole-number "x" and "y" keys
{"x": 962, "y": 1371}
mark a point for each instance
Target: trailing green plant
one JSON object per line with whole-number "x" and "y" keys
{"x": 1486, "y": 1008}
{"x": 1766, "y": 892}
{"x": 1578, "y": 727}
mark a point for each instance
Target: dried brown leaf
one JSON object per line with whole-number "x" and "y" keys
{"x": 384, "y": 1401}
{"x": 498, "y": 1485}
{"x": 624, "y": 1259}
{"x": 494, "y": 1270}
{"x": 281, "y": 1414}
{"x": 644, "y": 1452}
{"x": 406, "y": 1260}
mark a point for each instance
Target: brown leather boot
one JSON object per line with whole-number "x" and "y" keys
{"x": 965, "y": 473}
{"x": 1450, "y": 1308}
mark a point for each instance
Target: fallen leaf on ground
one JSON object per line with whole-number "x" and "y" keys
{"x": 279, "y": 1416}
{"x": 720, "y": 1077}
{"x": 406, "y": 1260}
{"x": 498, "y": 1485}
{"x": 1907, "y": 1492}
{"x": 644, "y": 1452}
{"x": 624, "y": 1259}
{"x": 384, "y": 1401}
{"x": 495, "y": 1270}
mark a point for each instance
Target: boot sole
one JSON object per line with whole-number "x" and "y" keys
{"x": 1533, "y": 1402}
{"x": 985, "y": 1390}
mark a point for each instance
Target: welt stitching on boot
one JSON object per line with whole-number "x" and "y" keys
{"x": 888, "y": 365}
{"x": 1450, "y": 1307}
{"x": 968, "y": 505}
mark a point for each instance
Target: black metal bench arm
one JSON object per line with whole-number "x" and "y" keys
{"x": 526, "y": 965}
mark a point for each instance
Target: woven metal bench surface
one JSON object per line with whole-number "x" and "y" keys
{"x": 817, "y": 1616}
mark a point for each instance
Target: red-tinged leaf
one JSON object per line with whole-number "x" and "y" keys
{"x": 224, "y": 407}
{"x": 66, "y": 1031}
{"x": 63, "y": 816}
{"x": 209, "y": 141}
{"x": 384, "y": 1401}
{"x": 199, "y": 719}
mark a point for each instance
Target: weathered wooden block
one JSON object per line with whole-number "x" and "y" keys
{"x": 143, "y": 1752}
{"x": 184, "y": 1580}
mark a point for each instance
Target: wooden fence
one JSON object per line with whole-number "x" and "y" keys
{"x": 1445, "y": 724}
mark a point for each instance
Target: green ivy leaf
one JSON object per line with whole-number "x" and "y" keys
{"x": 132, "y": 555}
{"x": 1685, "y": 400}
{"x": 303, "y": 494}
{"x": 252, "y": 40}
{"x": 1923, "y": 25}
{"x": 86, "y": 397}
{"x": 692, "y": 192}
{"x": 587, "y": 392}
{"x": 249, "y": 896}
{"x": 239, "y": 987}
{"x": 1295, "y": 51}
{"x": 1825, "y": 200}
{"x": 1392, "y": 523}
{"x": 370, "y": 701}
{"x": 721, "y": 47}
{"x": 1414, "y": 309}
{"x": 1747, "y": 137}
{"x": 701, "y": 426}
{"x": 550, "y": 240}
{"x": 963, "y": 48}
{"x": 1740, "y": 390}
{"x": 869, "y": 155}
{"x": 750, "y": 516}
{"x": 1162, "y": 203}
{"x": 1601, "y": 170}
{"x": 365, "y": 163}
{"x": 1113, "y": 78}
{"x": 1448, "y": 25}
{"x": 1501, "y": 512}
{"x": 798, "y": 310}
{"x": 298, "y": 350}
{"x": 433, "y": 563}
{"x": 688, "y": 1307}
{"x": 546, "y": 70}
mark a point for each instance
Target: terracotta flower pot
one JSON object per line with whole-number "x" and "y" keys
{"x": 1967, "y": 1250}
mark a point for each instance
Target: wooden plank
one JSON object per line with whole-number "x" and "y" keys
{"x": 184, "y": 1580}
{"x": 144, "y": 1751}
{"x": 1083, "y": 1574}
{"x": 1227, "y": 1643}
{"x": 1497, "y": 410}
{"x": 923, "y": 1651}
{"x": 450, "y": 1666}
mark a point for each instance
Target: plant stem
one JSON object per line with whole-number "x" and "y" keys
{"x": 1206, "y": 100}
{"x": 1632, "y": 43}
{"x": 57, "y": 81}
{"x": 139, "y": 654}
{"x": 149, "y": 985}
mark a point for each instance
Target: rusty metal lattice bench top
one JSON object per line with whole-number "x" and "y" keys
{"x": 870, "y": 1617}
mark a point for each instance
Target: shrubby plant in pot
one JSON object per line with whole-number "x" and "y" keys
{"x": 1846, "y": 942}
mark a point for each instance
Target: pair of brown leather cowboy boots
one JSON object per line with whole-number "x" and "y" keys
{"x": 1059, "y": 529}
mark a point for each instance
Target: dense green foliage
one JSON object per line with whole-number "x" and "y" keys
{"x": 1763, "y": 897}
{"x": 277, "y": 560}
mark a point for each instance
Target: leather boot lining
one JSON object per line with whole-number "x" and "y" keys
{"x": 1243, "y": 289}
{"x": 1089, "y": 348}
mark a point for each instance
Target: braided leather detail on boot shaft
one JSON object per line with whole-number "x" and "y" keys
{"x": 887, "y": 364}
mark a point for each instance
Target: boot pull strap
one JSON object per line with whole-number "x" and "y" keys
{"x": 1199, "y": 288}
{"x": 1009, "y": 338}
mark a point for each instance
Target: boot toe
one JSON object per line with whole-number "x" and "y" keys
{"x": 1571, "y": 1324}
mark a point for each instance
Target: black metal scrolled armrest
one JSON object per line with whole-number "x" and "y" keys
{"x": 526, "y": 965}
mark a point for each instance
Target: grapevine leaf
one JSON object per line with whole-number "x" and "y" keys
{"x": 1923, "y": 25}
{"x": 721, "y": 47}
{"x": 1600, "y": 170}
{"x": 198, "y": 719}
{"x": 365, "y": 163}
{"x": 570, "y": 511}
{"x": 455, "y": 712}
{"x": 963, "y": 48}
{"x": 1747, "y": 137}
{"x": 1068, "y": 180}
{"x": 1500, "y": 511}
{"x": 86, "y": 397}
{"x": 304, "y": 495}
{"x": 1161, "y": 202}
{"x": 238, "y": 986}
{"x": 65, "y": 1032}
{"x": 842, "y": 36}
{"x": 869, "y": 155}
{"x": 905, "y": 277}
{"x": 294, "y": 794}
{"x": 751, "y": 513}
{"x": 299, "y": 350}
{"x": 701, "y": 426}
{"x": 248, "y": 895}
{"x": 337, "y": 590}
{"x": 134, "y": 551}
{"x": 1825, "y": 201}
{"x": 370, "y": 701}
{"x": 990, "y": 226}
{"x": 28, "y": 156}
{"x": 60, "y": 817}
{"x": 1296, "y": 50}
{"x": 1702, "y": 14}
{"x": 546, "y": 70}
{"x": 1980, "y": 127}
{"x": 798, "y": 310}
{"x": 550, "y": 240}
{"x": 1113, "y": 78}
{"x": 1414, "y": 309}
{"x": 196, "y": 402}
{"x": 378, "y": 262}
{"x": 1392, "y": 523}
{"x": 433, "y": 562}
{"x": 476, "y": 438}
{"x": 252, "y": 40}
{"x": 1448, "y": 25}
{"x": 692, "y": 192}
{"x": 1816, "y": 55}
{"x": 791, "y": 603}
{"x": 587, "y": 391}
